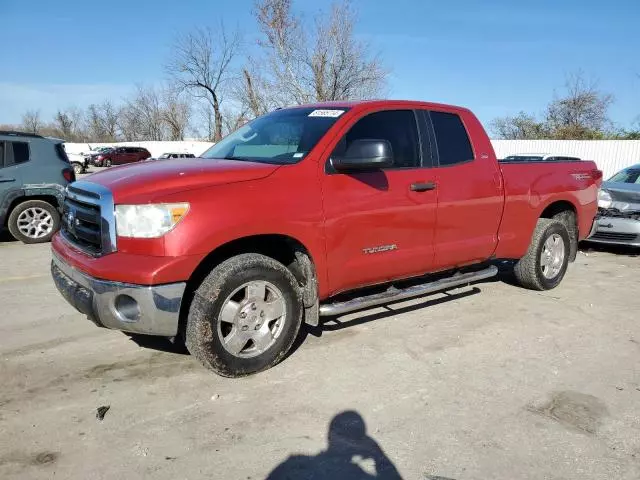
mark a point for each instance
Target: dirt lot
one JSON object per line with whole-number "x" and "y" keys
{"x": 491, "y": 382}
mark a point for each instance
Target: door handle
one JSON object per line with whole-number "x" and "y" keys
{"x": 4, "y": 179}
{"x": 423, "y": 186}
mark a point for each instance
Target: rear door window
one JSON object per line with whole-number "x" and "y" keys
{"x": 2, "y": 154}
{"x": 451, "y": 138}
{"x": 16, "y": 153}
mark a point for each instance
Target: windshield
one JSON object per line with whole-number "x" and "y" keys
{"x": 631, "y": 175}
{"x": 281, "y": 137}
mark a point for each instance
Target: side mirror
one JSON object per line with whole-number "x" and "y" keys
{"x": 365, "y": 154}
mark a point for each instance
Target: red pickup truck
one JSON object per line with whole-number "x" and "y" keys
{"x": 280, "y": 222}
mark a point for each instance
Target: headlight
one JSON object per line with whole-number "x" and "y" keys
{"x": 148, "y": 221}
{"x": 604, "y": 199}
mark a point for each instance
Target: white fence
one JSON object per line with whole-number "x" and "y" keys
{"x": 155, "y": 148}
{"x": 610, "y": 155}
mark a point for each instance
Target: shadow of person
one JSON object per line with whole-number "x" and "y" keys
{"x": 350, "y": 455}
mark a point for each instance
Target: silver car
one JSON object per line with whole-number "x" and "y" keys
{"x": 618, "y": 219}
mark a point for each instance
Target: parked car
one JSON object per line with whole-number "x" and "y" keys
{"x": 281, "y": 221}
{"x": 92, "y": 155}
{"x": 165, "y": 156}
{"x": 618, "y": 219}
{"x": 34, "y": 171}
{"x": 121, "y": 156}
{"x": 78, "y": 163}
{"x": 540, "y": 157}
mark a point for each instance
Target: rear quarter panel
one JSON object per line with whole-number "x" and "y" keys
{"x": 531, "y": 187}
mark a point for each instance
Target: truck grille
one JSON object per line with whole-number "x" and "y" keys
{"x": 619, "y": 237}
{"x": 87, "y": 218}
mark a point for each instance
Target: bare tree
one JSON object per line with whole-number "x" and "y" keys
{"x": 520, "y": 127}
{"x": 207, "y": 121}
{"x": 328, "y": 63}
{"x": 64, "y": 124}
{"x": 582, "y": 113}
{"x": 31, "y": 121}
{"x": 234, "y": 119}
{"x": 176, "y": 113}
{"x": 102, "y": 122}
{"x": 342, "y": 66}
{"x": 77, "y": 117}
{"x": 142, "y": 117}
{"x": 253, "y": 93}
{"x": 202, "y": 64}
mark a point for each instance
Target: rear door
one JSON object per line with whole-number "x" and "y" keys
{"x": 130, "y": 155}
{"x": 470, "y": 191}
{"x": 121, "y": 156}
{"x": 378, "y": 227}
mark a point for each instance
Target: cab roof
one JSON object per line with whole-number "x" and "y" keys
{"x": 382, "y": 103}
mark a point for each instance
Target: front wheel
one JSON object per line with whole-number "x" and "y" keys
{"x": 245, "y": 316}
{"x": 78, "y": 168}
{"x": 107, "y": 163}
{"x": 545, "y": 263}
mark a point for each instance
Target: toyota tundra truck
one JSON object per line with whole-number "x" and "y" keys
{"x": 309, "y": 212}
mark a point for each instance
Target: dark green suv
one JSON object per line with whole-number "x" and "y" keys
{"x": 34, "y": 172}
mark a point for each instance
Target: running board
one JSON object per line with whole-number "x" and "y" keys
{"x": 394, "y": 294}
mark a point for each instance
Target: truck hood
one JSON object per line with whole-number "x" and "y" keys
{"x": 146, "y": 181}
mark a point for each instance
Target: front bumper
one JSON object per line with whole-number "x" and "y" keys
{"x": 615, "y": 230}
{"x": 151, "y": 310}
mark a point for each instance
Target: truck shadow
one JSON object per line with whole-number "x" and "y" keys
{"x": 331, "y": 324}
{"x": 626, "y": 250}
{"x": 5, "y": 236}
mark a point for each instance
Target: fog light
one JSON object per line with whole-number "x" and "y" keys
{"x": 127, "y": 308}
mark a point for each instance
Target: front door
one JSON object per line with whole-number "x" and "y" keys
{"x": 379, "y": 225}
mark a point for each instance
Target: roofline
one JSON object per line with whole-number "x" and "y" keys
{"x": 380, "y": 102}
{"x": 21, "y": 134}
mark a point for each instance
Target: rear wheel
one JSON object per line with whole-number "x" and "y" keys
{"x": 78, "y": 168}
{"x": 545, "y": 263}
{"x": 34, "y": 221}
{"x": 245, "y": 316}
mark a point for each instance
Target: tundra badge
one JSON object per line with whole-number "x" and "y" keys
{"x": 380, "y": 249}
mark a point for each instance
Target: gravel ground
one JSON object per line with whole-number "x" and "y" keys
{"x": 489, "y": 382}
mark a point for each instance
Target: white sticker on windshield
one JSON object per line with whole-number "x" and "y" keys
{"x": 326, "y": 113}
{"x": 298, "y": 155}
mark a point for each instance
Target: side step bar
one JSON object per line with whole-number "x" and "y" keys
{"x": 394, "y": 294}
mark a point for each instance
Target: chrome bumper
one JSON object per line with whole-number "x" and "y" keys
{"x": 151, "y": 310}
{"x": 615, "y": 230}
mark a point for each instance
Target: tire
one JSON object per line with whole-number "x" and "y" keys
{"x": 107, "y": 162}
{"x": 569, "y": 220}
{"x": 34, "y": 221}
{"x": 226, "y": 333}
{"x": 78, "y": 168}
{"x": 530, "y": 270}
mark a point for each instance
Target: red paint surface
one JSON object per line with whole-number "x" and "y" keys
{"x": 478, "y": 210}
